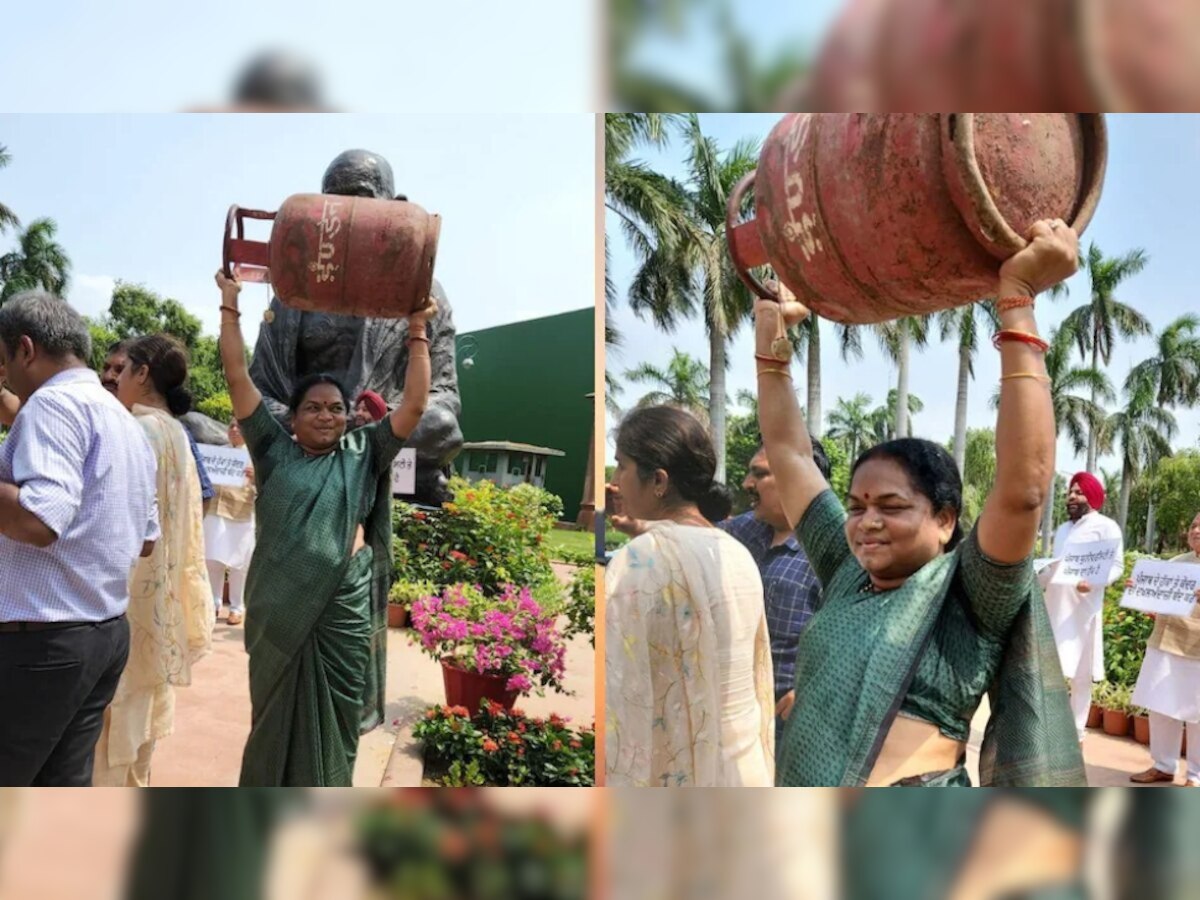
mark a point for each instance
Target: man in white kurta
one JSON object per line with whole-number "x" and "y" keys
{"x": 1168, "y": 686}
{"x": 1075, "y": 610}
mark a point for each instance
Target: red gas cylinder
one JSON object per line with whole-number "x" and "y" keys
{"x": 870, "y": 217}
{"x": 354, "y": 256}
{"x": 1085, "y": 55}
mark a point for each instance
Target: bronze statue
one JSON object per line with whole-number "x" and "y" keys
{"x": 366, "y": 354}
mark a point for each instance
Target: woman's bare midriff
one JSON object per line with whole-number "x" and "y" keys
{"x": 913, "y": 747}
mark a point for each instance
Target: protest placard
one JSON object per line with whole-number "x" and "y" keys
{"x": 404, "y": 473}
{"x": 225, "y": 465}
{"x": 1087, "y": 562}
{"x": 1166, "y": 588}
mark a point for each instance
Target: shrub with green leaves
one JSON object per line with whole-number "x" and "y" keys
{"x": 1125, "y": 631}
{"x": 502, "y": 748}
{"x": 487, "y": 536}
{"x": 581, "y": 604}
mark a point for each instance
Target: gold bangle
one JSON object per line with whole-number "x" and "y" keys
{"x": 1035, "y": 375}
{"x": 786, "y": 373}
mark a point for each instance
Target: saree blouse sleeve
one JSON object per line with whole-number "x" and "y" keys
{"x": 995, "y": 591}
{"x": 384, "y": 444}
{"x": 822, "y": 532}
{"x": 266, "y": 440}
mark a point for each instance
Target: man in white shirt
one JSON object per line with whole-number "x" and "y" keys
{"x": 1075, "y": 609}
{"x": 77, "y": 507}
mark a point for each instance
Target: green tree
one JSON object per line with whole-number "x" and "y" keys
{"x": 742, "y": 442}
{"x": 1172, "y": 376}
{"x": 978, "y": 472}
{"x": 1142, "y": 433}
{"x": 676, "y": 278}
{"x": 1097, "y": 324}
{"x": 1176, "y": 490}
{"x": 683, "y": 383}
{"x": 850, "y": 423}
{"x": 8, "y": 218}
{"x": 884, "y": 418}
{"x": 38, "y": 262}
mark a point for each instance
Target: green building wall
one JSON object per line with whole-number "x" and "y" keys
{"x": 529, "y": 384}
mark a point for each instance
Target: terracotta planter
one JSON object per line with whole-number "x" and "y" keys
{"x": 397, "y": 615}
{"x": 1095, "y": 717}
{"x": 1141, "y": 729}
{"x": 1116, "y": 723}
{"x": 464, "y": 688}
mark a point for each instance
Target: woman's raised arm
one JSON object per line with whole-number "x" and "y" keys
{"x": 1025, "y": 432}
{"x": 785, "y": 436}
{"x": 242, "y": 392}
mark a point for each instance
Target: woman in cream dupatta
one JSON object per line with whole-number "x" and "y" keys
{"x": 1169, "y": 686}
{"x": 688, "y": 662}
{"x": 170, "y": 616}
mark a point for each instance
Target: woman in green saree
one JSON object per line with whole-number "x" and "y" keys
{"x": 323, "y": 541}
{"x": 917, "y": 621}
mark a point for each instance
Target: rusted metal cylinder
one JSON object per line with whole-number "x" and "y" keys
{"x": 1082, "y": 55}
{"x": 354, "y": 256}
{"x": 870, "y": 217}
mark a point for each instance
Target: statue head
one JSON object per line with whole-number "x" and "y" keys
{"x": 359, "y": 173}
{"x": 279, "y": 79}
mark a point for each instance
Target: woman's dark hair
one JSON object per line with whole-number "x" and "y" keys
{"x": 932, "y": 471}
{"x": 167, "y": 360}
{"x": 308, "y": 382}
{"x": 663, "y": 437}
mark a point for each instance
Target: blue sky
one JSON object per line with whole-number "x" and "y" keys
{"x": 1150, "y": 196}
{"x": 143, "y": 198}
{"x": 384, "y": 56}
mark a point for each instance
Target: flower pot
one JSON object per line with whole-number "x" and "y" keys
{"x": 1095, "y": 716}
{"x": 466, "y": 688}
{"x": 1141, "y": 729}
{"x": 397, "y": 615}
{"x": 1116, "y": 723}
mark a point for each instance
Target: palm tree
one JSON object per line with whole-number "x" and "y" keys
{"x": 1076, "y": 416}
{"x": 677, "y": 278}
{"x": 883, "y": 418}
{"x": 683, "y": 383}
{"x": 646, "y": 202}
{"x": 1172, "y": 377}
{"x": 896, "y": 338}
{"x": 965, "y": 324}
{"x": 806, "y": 342}
{"x": 38, "y": 262}
{"x": 1097, "y": 323}
{"x": 8, "y": 218}
{"x": 1143, "y": 431}
{"x": 850, "y": 423}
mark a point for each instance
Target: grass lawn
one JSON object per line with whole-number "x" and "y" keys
{"x": 571, "y": 541}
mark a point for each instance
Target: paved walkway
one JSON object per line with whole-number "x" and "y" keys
{"x": 1109, "y": 760}
{"x": 212, "y": 716}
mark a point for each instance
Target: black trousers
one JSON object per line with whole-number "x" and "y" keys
{"x": 54, "y": 688}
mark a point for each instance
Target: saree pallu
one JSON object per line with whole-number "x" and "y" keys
{"x": 170, "y": 613}
{"x": 316, "y": 655}
{"x": 687, "y": 663}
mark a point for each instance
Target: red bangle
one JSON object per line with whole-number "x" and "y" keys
{"x": 1004, "y": 304}
{"x": 1024, "y": 337}
{"x": 416, "y": 337}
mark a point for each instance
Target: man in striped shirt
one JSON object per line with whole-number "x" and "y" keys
{"x": 77, "y": 507}
{"x": 790, "y": 588}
